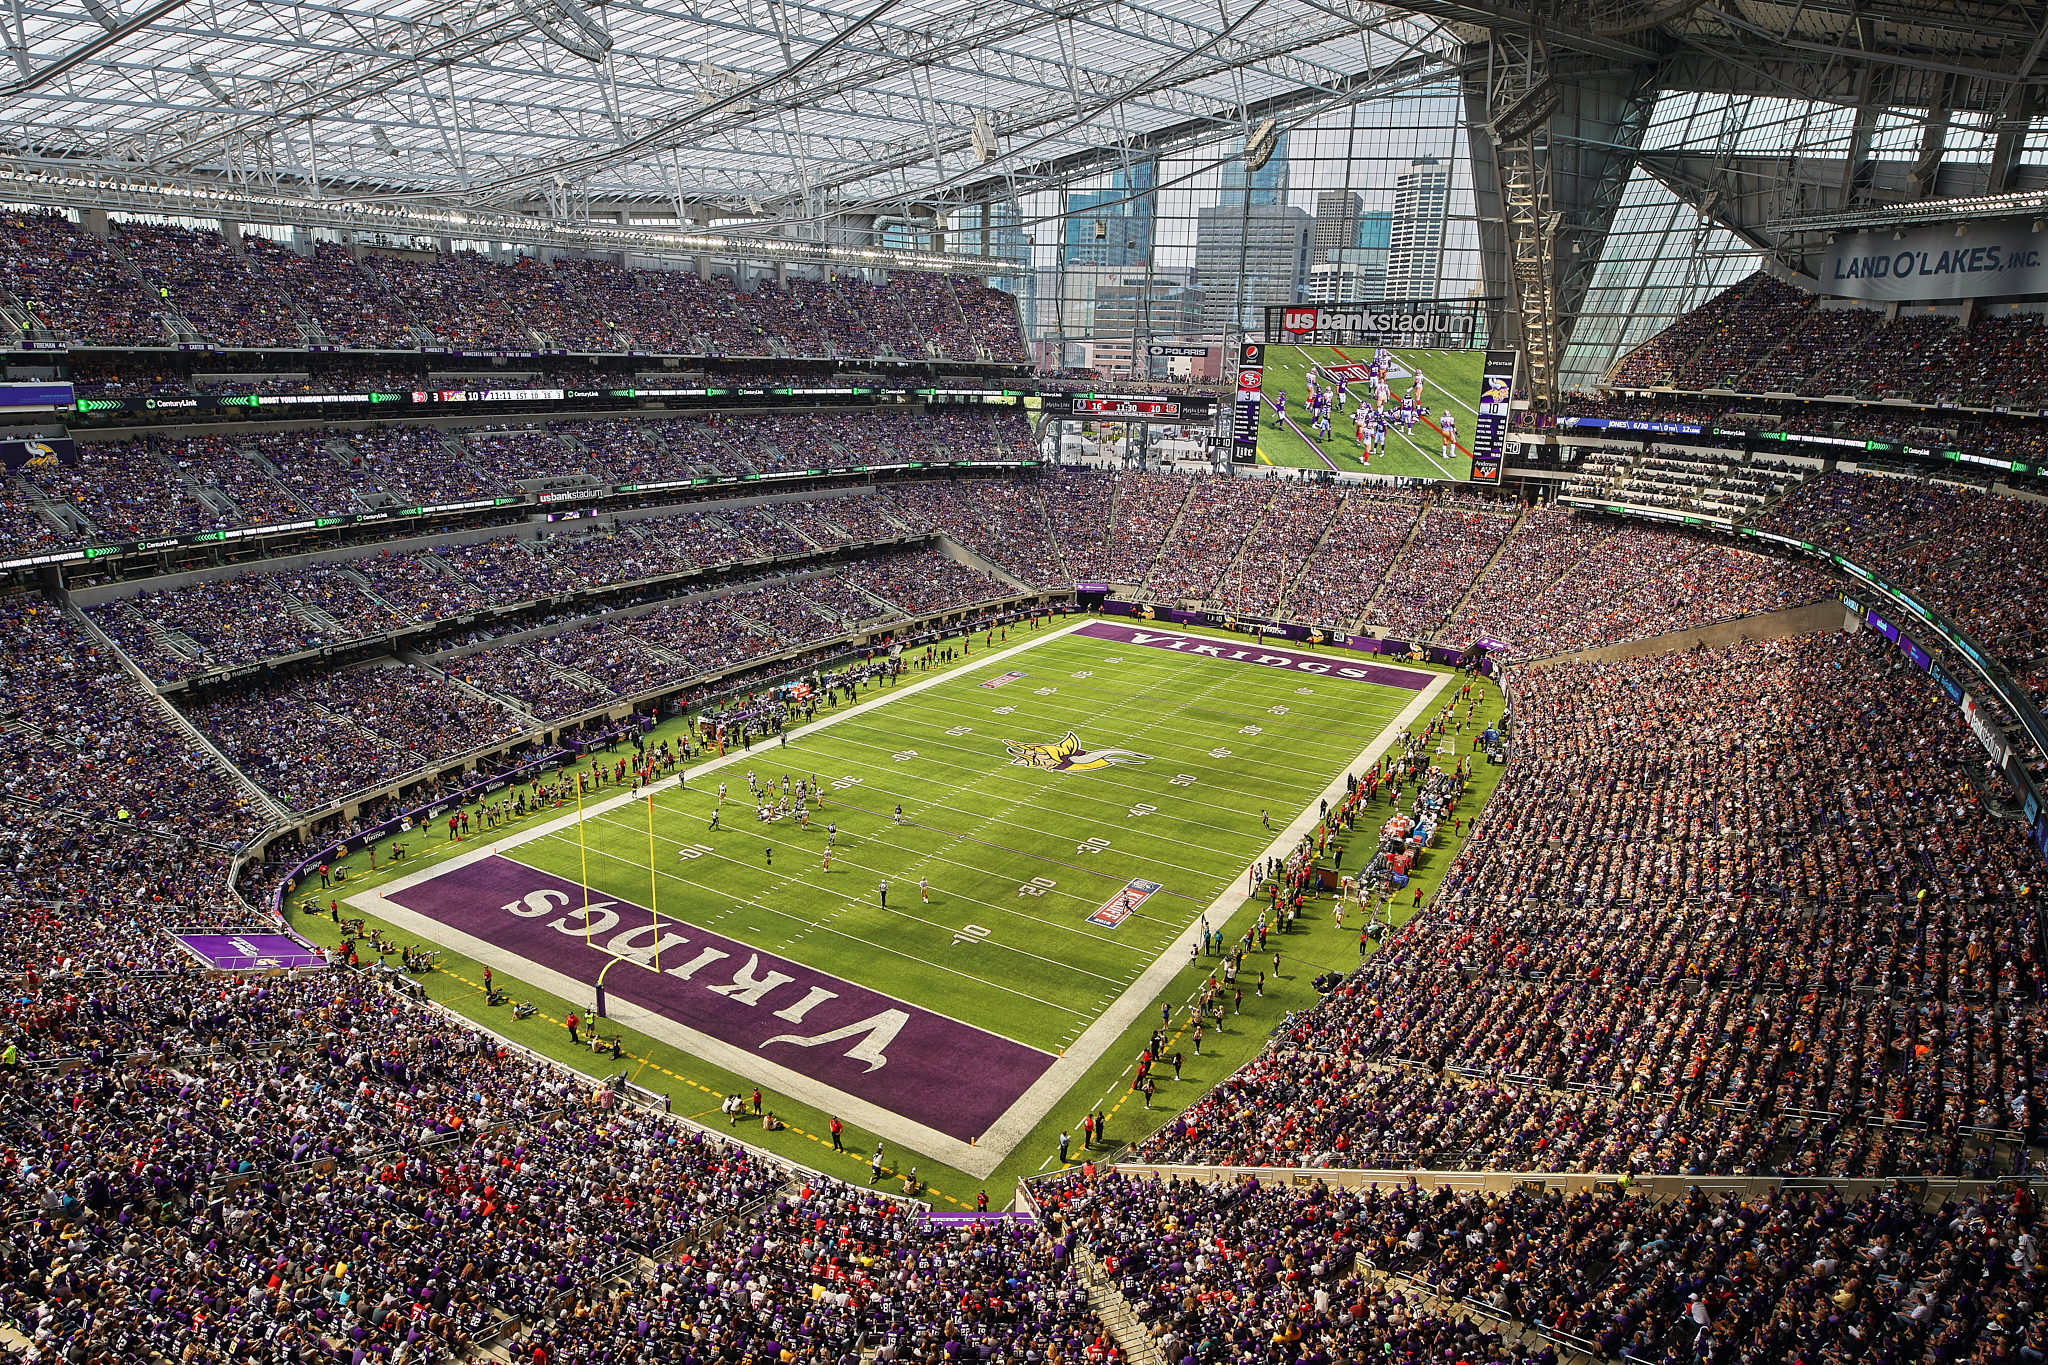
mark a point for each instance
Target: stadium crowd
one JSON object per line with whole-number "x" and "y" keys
{"x": 72, "y": 709}
{"x": 313, "y": 737}
{"x": 1762, "y": 336}
{"x": 1564, "y": 582}
{"x": 297, "y": 1169}
{"x": 1235, "y": 1267}
{"x": 147, "y": 284}
{"x": 170, "y": 485}
{"x": 1454, "y": 541}
{"x": 1706, "y": 881}
{"x": 307, "y": 736}
{"x": 1729, "y": 912}
{"x": 1976, "y": 558}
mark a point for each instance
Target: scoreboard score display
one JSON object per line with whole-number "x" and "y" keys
{"x": 1133, "y": 407}
{"x": 1164, "y": 409}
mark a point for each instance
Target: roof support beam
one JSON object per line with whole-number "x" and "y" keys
{"x": 43, "y": 75}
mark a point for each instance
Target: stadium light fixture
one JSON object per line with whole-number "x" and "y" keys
{"x": 2022, "y": 203}
{"x": 1527, "y": 113}
{"x": 1260, "y": 146}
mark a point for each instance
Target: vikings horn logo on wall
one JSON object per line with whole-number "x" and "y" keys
{"x": 1067, "y": 756}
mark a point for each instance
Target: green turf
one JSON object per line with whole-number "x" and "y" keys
{"x": 1452, "y": 380}
{"x": 1002, "y": 845}
{"x": 982, "y": 829}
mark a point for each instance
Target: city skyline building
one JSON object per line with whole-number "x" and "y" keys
{"x": 1268, "y": 245}
{"x": 1415, "y": 245}
{"x": 1112, "y": 226}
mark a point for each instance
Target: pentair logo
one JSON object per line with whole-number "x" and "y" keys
{"x": 1299, "y": 319}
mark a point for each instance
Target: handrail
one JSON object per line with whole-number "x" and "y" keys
{"x": 1958, "y": 641}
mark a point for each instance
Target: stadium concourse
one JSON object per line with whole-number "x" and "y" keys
{"x": 1738, "y": 908}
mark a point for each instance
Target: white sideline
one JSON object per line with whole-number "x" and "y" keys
{"x": 1021, "y": 1117}
{"x": 978, "y": 1159}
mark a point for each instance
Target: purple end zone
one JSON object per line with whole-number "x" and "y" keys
{"x": 1265, "y": 656}
{"x": 246, "y": 952}
{"x": 933, "y": 1070}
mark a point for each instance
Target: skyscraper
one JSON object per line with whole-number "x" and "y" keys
{"x": 1268, "y": 182}
{"x": 1113, "y": 226}
{"x": 1415, "y": 248}
{"x": 1269, "y": 243}
{"x": 1253, "y": 230}
{"x": 1336, "y": 222}
{"x": 1355, "y": 273}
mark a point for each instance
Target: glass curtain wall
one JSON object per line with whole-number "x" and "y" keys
{"x": 1151, "y": 251}
{"x": 1660, "y": 260}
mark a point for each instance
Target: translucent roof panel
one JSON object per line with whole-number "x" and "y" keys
{"x": 778, "y": 105}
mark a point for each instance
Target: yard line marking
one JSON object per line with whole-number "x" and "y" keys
{"x": 1004, "y": 1136}
{"x": 866, "y": 942}
{"x": 1013, "y": 1127}
{"x": 841, "y": 854}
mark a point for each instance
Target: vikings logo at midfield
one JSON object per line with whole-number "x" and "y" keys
{"x": 1067, "y": 756}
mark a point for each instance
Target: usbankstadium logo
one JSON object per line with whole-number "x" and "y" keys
{"x": 1067, "y": 756}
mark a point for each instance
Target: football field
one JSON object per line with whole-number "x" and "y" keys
{"x": 1071, "y": 807}
{"x": 1451, "y": 379}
